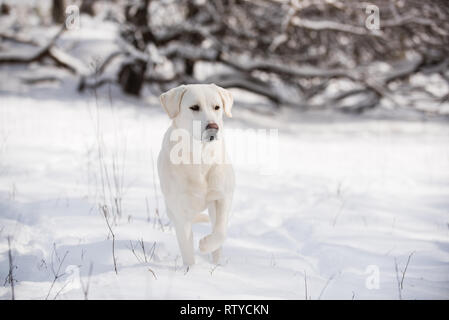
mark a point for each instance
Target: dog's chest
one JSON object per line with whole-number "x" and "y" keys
{"x": 195, "y": 178}
{"x": 191, "y": 187}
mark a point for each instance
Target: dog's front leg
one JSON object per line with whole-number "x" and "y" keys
{"x": 214, "y": 241}
{"x": 216, "y": 254}
{"x": 184, "y": 235}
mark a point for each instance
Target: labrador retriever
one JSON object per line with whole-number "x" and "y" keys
{"x": 195, "y": 173}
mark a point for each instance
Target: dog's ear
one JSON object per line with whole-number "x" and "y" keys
{"x": 171, "y": 100}
{"x": 226, "y": 97}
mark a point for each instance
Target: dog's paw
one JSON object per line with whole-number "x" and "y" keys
{"x": 211, "y": 242}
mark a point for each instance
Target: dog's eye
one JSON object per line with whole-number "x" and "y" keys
{"x": 195, "y": 107}
{"x": 217, "y": 107}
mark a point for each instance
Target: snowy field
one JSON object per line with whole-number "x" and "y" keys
{"x": 358, "y": 208}
{"x": 347, "y": 195}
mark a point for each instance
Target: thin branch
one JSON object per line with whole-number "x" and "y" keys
{"x": 142, "y": 246}
{"x": 154, "y": 274}
{"x": 60, "y": 290}
{"x": 401, "y": 281}
{"x": 213, "y": 269}
{"x": 86, "y": 286}
{"x": 153, "y": 167}
{"x": 305, "y": 285}
{"x": 133, "y": 250}
{"x": 405, "y": 270}
{"x": 325, "y": 286}
{"x": 11, "y": 269}
{"x": 56, "y": 274}
{"x": 152, "y": 250}
{"x": 397, "y": 278}
{"x": 104, "y": 210}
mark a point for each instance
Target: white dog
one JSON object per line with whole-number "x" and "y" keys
{"x": 195, "y": 174}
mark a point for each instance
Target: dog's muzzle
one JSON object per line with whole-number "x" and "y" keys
{"x": 211, "y": 132}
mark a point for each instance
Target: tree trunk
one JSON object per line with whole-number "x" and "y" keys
{"x": 58, "y": 11}
{"x": 87, "y": 6}
{"x": 131, "y": 77}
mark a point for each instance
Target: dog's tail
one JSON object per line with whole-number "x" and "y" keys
{"x": 200, "y": 217}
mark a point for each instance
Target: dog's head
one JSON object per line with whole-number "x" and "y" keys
{"x": 200, "y": 105}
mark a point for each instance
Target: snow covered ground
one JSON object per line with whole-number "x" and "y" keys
{"x": 348, "y": 199}
{"x": 353, "y": 200}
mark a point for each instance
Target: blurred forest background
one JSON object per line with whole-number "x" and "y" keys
{"x": 351, "y": 56}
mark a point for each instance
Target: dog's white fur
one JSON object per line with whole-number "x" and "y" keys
{"x": 191, "y": 188}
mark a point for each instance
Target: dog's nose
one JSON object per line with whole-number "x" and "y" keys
{"x": 212, "y": 125}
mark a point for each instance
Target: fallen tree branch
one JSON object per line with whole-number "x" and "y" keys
{"x": 253, "y": 85}
{"x": 288, "y": 70}
{"x": 233, "y": 81}
{"x": 34, "y": 80}
{"x": 189, "y": 52}
{"x": 59, "y": 57}
{"x": 108, "y": 60}
{"x": 18, "y": 39}
{"x": 402, "y": 69}
{"x": 38, "y": 54}
{"x": 368, "y": 101}
{"x": 332, "y": 25}
{"x": 67, "y": 61}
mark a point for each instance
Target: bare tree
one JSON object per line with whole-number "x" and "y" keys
{"x": 298, "y": 45}
{"x": 287, "y": 51}
{"x": 58, "y": 11}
